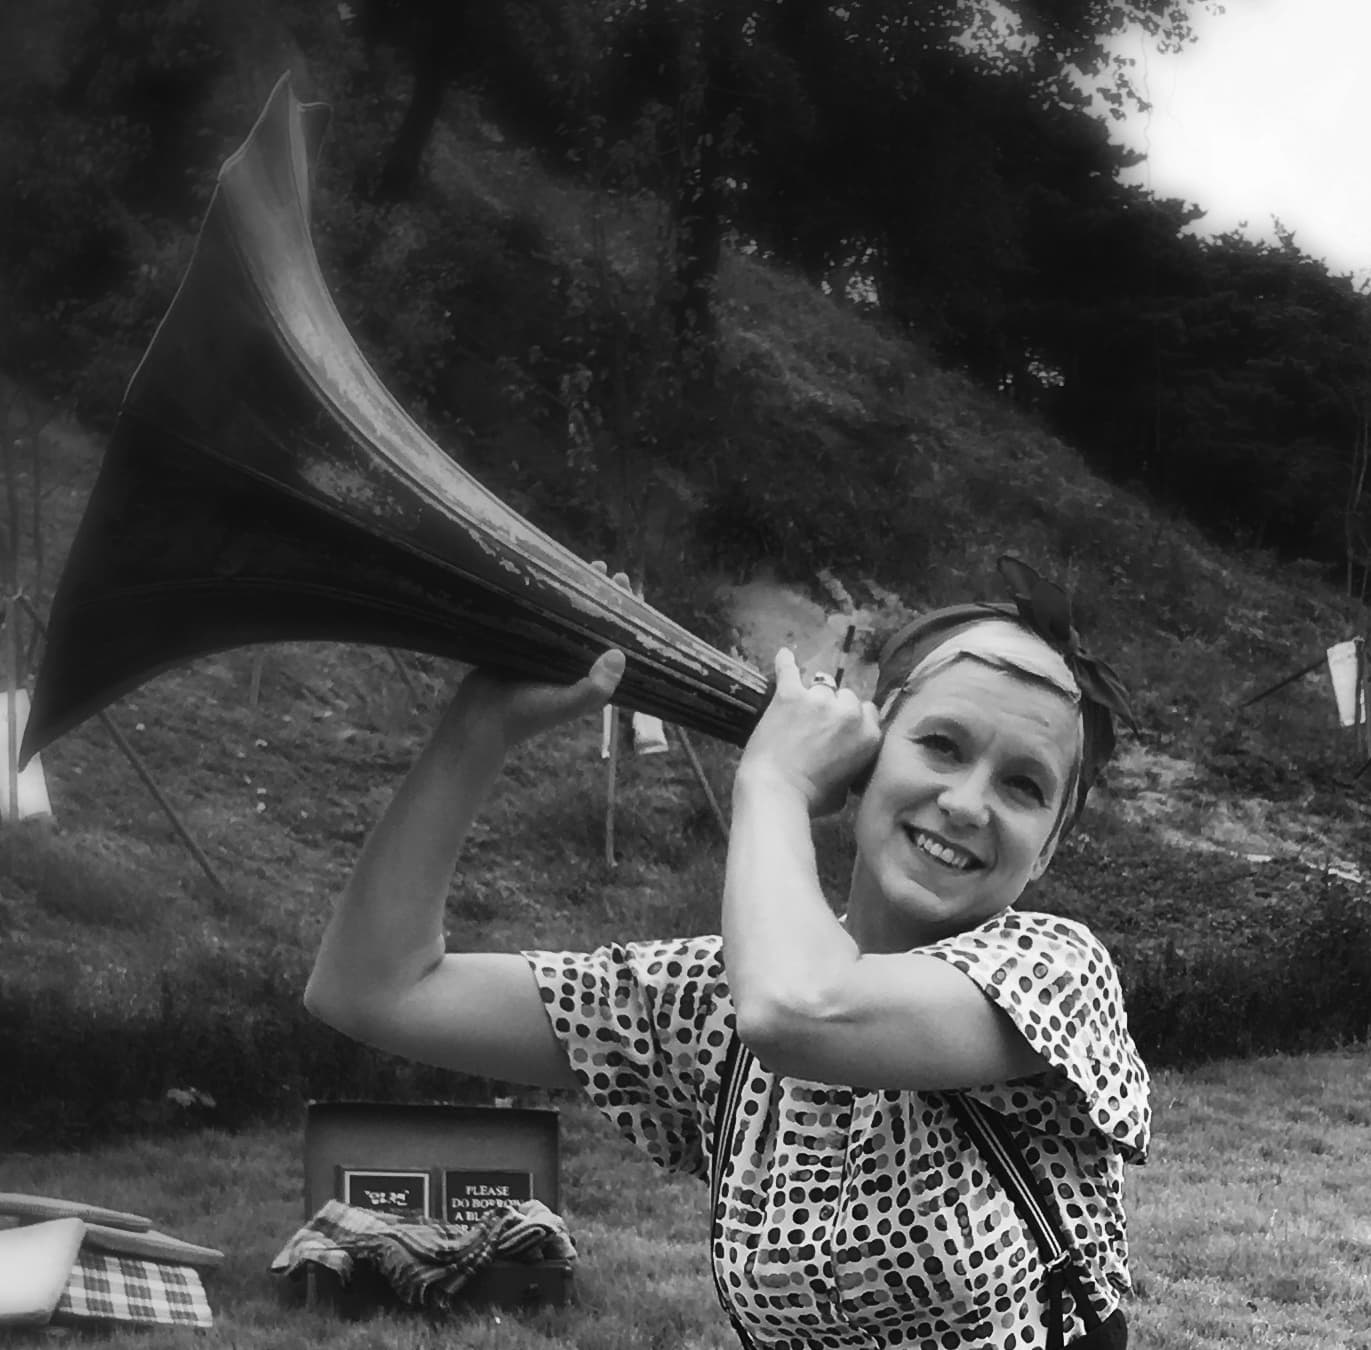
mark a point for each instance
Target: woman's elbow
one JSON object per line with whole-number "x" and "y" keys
{"x": 330, "y": 1002}
{"x": 782, "y": 1030}
{"x": 320, "y": 1001}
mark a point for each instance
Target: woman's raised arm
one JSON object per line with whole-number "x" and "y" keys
{"x": 382, "y": 974}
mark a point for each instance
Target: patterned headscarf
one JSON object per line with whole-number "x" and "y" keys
{"x": 1044, "y": 610}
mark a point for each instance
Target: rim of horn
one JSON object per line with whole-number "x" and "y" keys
{"x": 262, "y": 485}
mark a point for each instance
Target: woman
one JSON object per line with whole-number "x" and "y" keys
{"x": 852, "y": 1207}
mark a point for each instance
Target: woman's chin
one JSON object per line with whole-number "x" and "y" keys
{"x": 940, "y": 907}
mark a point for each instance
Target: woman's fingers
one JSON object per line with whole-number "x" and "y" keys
{"x": 515, "y": 710}
{"x": 817, "y": 738}
{"x": 605, "y": 675}
{"x": 788, "y": 682}
{"x": 620, "y": 578}
{"x": 519, "y": 709}
{"x": 539, "y": 707}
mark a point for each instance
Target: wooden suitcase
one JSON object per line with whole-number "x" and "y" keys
{"x": 445, "y": 1162}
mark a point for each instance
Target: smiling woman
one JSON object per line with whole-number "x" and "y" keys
{"x": 865, "y": 1092}
{"x": 978, "y": 770}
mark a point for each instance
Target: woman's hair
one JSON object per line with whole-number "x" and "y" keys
{"x": 1041, "y": 611}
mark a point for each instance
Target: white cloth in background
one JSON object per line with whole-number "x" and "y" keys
{"x": 649, "y": 735}
{"x": 1343, "y": 670}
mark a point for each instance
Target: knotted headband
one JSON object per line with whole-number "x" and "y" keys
{"x": 1044, "y": 610}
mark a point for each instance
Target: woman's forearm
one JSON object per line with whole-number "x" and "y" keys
{"x": 387, "y": 928}
{"x": 784, "y": 948}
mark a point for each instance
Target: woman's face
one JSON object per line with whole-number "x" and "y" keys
{"x": 958, "y": 815}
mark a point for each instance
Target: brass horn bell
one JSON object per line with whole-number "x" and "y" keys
{"x": 262, "y": 485}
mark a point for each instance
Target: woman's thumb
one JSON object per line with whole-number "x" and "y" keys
{"x": 606, "y": 673}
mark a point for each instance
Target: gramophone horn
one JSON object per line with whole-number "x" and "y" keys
{"x": 261, "y": 485}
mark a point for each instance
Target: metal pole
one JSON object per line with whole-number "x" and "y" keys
{"x": 1362, "y": 734}
{"x": 612, "y": 786}
{"x": 699, "y": 771}
{"x": 12, "y": 629}
{"x": 255, "y": 683}
{"x": 1289, "y": 679}
{"x": 415, "y": 700}
{"x": 142, "y": 771}
{"x": 843, "y": 655}
{"x": 176, "y": 823}
{"x": 12, "y": 708}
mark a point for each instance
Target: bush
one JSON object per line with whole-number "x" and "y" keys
{"x": 222, "y": 1039}
{"x": 1219, "y": 956}
{"x": 1311, "y": 993}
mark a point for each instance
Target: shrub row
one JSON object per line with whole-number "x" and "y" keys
{"x": 226, "y": 1038}
{"x": 1218, "y": 1000}
{"x": 1221, "y": 956}
{"x": 224, "y": 1042}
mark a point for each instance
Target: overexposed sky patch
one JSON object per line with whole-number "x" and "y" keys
{"x": 1267, "y": 114}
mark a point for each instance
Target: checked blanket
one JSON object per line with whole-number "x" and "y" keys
{"x": 425, "y": 1261}
{"x": 106, "y": 1288}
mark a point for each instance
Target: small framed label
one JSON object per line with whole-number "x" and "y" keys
{"x": 392, "y": 1192}
{"x": 469, "y": 1197}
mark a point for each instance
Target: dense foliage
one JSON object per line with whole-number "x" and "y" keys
{"x": 942, "y": 165}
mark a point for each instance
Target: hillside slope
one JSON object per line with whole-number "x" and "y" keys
{"x": 868, "y": 483}
{"x": 852, "y": 482}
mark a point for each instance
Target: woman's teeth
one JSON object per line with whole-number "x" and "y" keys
{"x": 943, "y": 853}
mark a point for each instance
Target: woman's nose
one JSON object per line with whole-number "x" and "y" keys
{"x": 964, "y": 800}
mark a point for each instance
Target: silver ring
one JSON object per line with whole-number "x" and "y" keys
{"x": 827, "y": 681}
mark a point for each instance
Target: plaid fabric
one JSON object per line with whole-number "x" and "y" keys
{"x": 107, "y": 1288}
{"x": 532, "y": 1231}
{"x": 426, "y": 1261}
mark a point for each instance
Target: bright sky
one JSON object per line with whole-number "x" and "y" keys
{"x": 1267, "y": 114}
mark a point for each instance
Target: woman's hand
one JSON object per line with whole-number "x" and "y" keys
{"x": 815, "y": 740}
{"x": 511, "y": 711}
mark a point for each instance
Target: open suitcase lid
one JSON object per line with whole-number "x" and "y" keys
{"x": 36, "y": 1262}
{"x": 445, "y": 1161}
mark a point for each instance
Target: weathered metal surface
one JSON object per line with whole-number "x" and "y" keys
{"x": 262, "y": 485}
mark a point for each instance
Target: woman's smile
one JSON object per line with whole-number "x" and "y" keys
{"x": 942, "y": 851}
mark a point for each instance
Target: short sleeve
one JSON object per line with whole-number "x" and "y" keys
{"x": 645, "y": 1027}
{"x": 1059, "y": 986}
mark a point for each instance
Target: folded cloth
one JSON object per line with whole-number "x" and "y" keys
{"x": 425, "y": 1261}
{"x": 107, "y": 1288}
{"x": 531, "y": 1231}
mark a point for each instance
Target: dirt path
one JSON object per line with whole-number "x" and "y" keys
{"x": 1145, "y": 786}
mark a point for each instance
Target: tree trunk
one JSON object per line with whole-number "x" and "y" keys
{"x": 699, "y": 244}
{"x": 434, "y": 36}
{"x": 1352, "y": 532}
{"x": 97, "y": 41}
{"x": 699, "y": 206}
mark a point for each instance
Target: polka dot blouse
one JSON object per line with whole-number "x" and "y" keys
{"x": 853, "y": 1219}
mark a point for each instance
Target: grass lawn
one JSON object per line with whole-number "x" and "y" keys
{"x": 1252, "y": 1221}
{"x": 1251, "y": 1226}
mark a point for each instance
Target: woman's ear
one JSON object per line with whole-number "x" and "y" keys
{"x": 1040, "y": 864}
{"x": 859, "y": 784}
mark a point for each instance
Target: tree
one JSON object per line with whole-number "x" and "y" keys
{"x": 813, "y": 127}
{"x": 434, "y": 34}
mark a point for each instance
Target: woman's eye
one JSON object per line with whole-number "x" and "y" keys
{"x": 944, "y": 746}
{"x": 1029, "y": 788}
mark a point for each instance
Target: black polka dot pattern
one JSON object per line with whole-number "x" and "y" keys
{"x": 855, "y": 1219}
